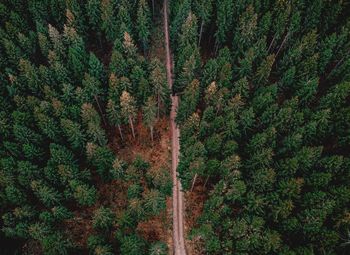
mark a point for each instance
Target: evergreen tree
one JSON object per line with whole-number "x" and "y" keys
{"x": 143, "y": 23}
{"x": 128, "y": 109}
{"x": 92, "y": 121}
{"x": 109, "y": 23}
{"x": 103, "y": 218}
{"x": 203, "y": 10}
{"x": 94, "y": 14}
{"x": 74, "y": 133}
{"x": 159, "y": 84}
{"x": 114, "y": 115}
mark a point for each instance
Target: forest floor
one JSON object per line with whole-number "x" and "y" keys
{"x": 194, "y": 207}
{"x": 158, "y": 155}
{"x": 113, "y": 194}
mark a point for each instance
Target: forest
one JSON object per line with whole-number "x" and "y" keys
{"x": 263, "y": 114}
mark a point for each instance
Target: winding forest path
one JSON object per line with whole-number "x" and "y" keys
{"x": 178, "y": 203}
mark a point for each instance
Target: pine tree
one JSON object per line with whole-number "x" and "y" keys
{"x": 83, "y": 193}
{"x": 264, "y": 70}
{"x": 159, "y": 83}
{"x": 109, "y": 23}
{"x": 129, "y": 48}
{"x": 158, "y": 248}
{"x": 181, "y": 12}
{"x": 118, "y": 64}
{"x": 92, "y": 121}
{"x": 47, "y": 195}
{"x": 96, "y": 68}
{"x": 143, "y": 24}
{"x": 128, "y": 109}
{"x": 103, "y": 218}
{"x": 203, "y": 10}
{"x": 77, "y": 58}
{"x": 74, "y": 133}
{"x": 189, "y": 101}
{"x": 224, "y": 20}
{"x": 154, "y": 202}
{"x": 94, "y": 14}
{"x": 124, "y": 20}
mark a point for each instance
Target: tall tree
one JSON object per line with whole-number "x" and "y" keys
{"x": 114, "y": 115}
{"x": 160, "y": 86}
{"x": 109, "y": 23}
{"x": 203, "y": 10}
{"x": 128, "y": 109}
{"x": 143, "y": 24}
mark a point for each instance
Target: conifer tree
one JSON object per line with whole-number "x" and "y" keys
{"x": 124, "y": 20}
{"x": 189, "y": 101}
{"x": 96, "y": 68}
{"x": 103, "y": 218}
{"x": 159, "y": 84}
{"x": 224, "y": 20}
{"x": 143, "y": 24}
{"x": 203, "y": 10}
{"x": 128, "y": 109}
{"x": 109, "y": 23}
{"x": 94, "y": 14}
{"x": 74, "y": 133}
{"x": 92, "y": 121}
{"x": 114, "y": 115}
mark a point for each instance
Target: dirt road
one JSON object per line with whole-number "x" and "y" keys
{"x": 178, "y": 203}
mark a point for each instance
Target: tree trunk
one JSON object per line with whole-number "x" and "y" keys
{"x": 120, "y": 132}
{"x": 338, "y": 64}
{"x": 216, "y": 48}
{"x": 340, "y": 61}
{"x": 273, "y": 40}
{"x": 132, "y": 127}
{"x": 282, "y": 44}
{"x": 158, "y": 113}
{"x": 153, "y": 7}
{"x": 206, "y": 181}
{"x": 193, "y": 182}
{"x": 200, "y": 33}
{"x": 99, "y": 108}
{"x": 151, "y": 127}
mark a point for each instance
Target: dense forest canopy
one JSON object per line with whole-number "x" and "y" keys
{"x": 74, "y": 74}
{"x": 264, "y": 115}
{"x": 265, "y": 122}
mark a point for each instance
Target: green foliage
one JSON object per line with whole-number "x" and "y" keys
{"x": 74, "y": 133}
{"x": 132, "y": 244}
{"x": 266, "y": 114}
{"x": 158, "y": 248}
{"x": 143, "y": 23}
{"x": 160, "y": 179}
{"x": 92, "y": 121}
{"x": 96, "y": 68}
{"x": 56, "y": 243}
{"x": 102, "y": 159}
{"x": 154, "y": 202}
{"x": 103, "y": 218}
{"x": 47, "y": 195}
{"x": 84, "y": 194}
{"x": 264, "y": 124}
{"x": 160, "y": 86}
